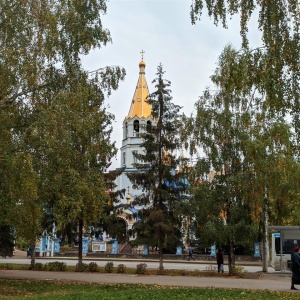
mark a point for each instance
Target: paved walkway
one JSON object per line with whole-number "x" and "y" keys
{"x": 275, "y": 282}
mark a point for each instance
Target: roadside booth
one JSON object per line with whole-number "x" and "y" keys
{"x": 284, "y": 240}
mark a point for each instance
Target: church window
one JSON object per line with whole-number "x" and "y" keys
{"x": 124, "y": 158}
{"x": 126, "y": 130}
{"x": 136, "y": 128}
{"x": 134, "y": 157}
{"x": 148, "y": 126}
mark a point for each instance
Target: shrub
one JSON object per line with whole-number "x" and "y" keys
{"x": 81, "y": 267}
{"x": 56, "y": 266}
{"x": 21, "y": 244}
{"x": 93, "y": 267}
{"x": 109, "y": 267}
{"x": 37, "y": 267}
{"x": 238, "y": 271}
{"x": 141, "y": 268}
{"x": 121, "y": 268}
{"x": 66, "y": 248}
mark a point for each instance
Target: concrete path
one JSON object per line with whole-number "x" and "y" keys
{"x": 269, "y": 282}
{"x": 170, "y": 264}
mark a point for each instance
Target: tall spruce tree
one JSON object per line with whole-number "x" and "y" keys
{"x": 159, "y": 223}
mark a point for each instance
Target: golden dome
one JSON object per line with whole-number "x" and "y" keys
{"x": 139, "y": 107}
{"x": 142, "y": 64}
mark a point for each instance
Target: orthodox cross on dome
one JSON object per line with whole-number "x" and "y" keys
{"x": 142, "y": 52}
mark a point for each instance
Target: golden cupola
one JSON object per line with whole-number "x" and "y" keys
{"x": 139, "y": 107}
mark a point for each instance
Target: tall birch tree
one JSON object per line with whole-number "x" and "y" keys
{"x": 42, "y": 79}
{"x": 245, "y": 150}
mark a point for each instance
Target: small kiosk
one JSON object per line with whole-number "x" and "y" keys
{"x": 284, "y": 240}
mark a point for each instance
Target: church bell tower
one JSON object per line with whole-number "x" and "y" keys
{"x": 135, "y": 123}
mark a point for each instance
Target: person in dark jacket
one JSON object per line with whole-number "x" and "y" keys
{"x": 191, "y": 254}
{"x": 220, "y": 261}
{"x": 295, "y": 268}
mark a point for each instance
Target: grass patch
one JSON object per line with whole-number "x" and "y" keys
{"x": 46, "y": 290}
{"x": 14, "y": 267}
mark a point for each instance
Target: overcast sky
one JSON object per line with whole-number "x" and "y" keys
{"x": 162, "y": 28}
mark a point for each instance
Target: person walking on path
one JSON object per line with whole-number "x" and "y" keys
{"x": 220, "y": 261}
{"x": 191, "y": 254}
{"x": 295, "y": 268}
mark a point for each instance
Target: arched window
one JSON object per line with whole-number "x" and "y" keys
{"x": 136, "y": 128}
{"x": 124, "y": 159}
{"x": 126, "y": 130}
{"x": 148, "y": 126}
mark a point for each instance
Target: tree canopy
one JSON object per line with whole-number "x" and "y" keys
{"x": 279, "y": 23}
{"x": 249, "y": 152}
{"x": 55, "y": 129}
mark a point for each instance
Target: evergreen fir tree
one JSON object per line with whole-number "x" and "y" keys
{"x": 159, "y": 223}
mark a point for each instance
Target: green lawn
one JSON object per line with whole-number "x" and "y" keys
{"x": 25, "y": 289}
